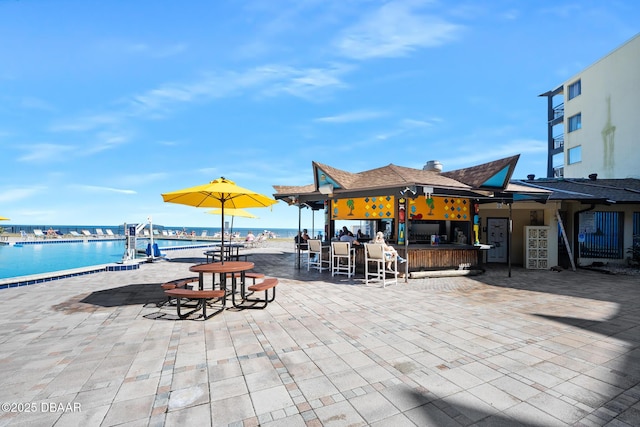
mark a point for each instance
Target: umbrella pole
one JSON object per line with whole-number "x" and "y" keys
{"x": 222, "y": 237}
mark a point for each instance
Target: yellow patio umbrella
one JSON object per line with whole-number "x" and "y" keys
{"x": 219, "y": 193}
{"x": 233, "y": 212}
{"x": 3, "y": 218}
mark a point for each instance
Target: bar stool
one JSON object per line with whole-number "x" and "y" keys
{"x": 317, "y": 255}
{"x": 374, "y": 252}
{"x": 342, "y": 251}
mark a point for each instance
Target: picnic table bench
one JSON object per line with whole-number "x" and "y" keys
{"x": 201, "y": 296}
{"x": 265, "y": 285}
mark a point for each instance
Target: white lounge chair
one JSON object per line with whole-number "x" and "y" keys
{"x": 259, "y": 241}
{"x": 75, "y": 234}
{"x": 100, "y": 233}
{"x": 38, "y": 233}
{"x": 87, "y": 233}
{"x": 109, "y": 233}
{"x": 24, "y": 235}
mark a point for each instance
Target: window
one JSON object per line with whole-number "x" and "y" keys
{"x": 575, "y": 89}
{"x": 601, "y": 235}
{"x": 575, "y": 155}
{"x": 575, "y": 122}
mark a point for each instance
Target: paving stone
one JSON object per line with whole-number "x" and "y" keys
{"x": 536, "y": 348}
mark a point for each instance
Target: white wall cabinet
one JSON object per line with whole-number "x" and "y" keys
{"x": 536, "y": 247}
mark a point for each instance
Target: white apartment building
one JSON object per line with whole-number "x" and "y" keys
{"x": 594, "y": 119}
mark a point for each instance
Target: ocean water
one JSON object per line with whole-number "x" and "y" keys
{"x": 119, "y": 229}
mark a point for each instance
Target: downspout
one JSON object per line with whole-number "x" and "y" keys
{"x": 576, "y": 231}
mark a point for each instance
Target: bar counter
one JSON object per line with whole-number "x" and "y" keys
{"x": 433, "y": 257}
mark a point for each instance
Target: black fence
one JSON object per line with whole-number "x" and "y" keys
{"x": 602, "y": 234}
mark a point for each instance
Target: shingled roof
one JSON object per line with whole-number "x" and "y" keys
{"x": 295, "y": 189}
{"x": 588, "y": 190}
{"x": 388, "y": 176}
{"x": 492, "y": 176}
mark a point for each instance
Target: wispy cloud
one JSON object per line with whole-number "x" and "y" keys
{"x": 394, "y": 30}
{"x": 268, "y": 80}
{"x": 208, "y": 171}
{"x": 37, "y": 214}
{"x": 106, "y": 141}
{"x": 171, "y": 50}
{"x": 87, "y": 123}
{"x": 415, "y": 123}
{"x": 14, "y": 194}
{"x": 350, "y": 117}
{"x": 119, "y": 47}
{"x": 32, "y": 103}
{"x": 38, "y": 153}
{"x": 307, "y": 83}
{"x": 510, "y": 14}
{"x": 469, "y": 156}
{"x": 565, "y": 10}
{"x": 403, "y": 128}
{"x": 143, "y": 179}
{"x": 95, "y": 188}
{"x": 168, "y": 143}
{"x": 158, "y": 51}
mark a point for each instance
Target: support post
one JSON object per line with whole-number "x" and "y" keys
{"x": 296, "y": 238}
{"x": 510, "y": 234}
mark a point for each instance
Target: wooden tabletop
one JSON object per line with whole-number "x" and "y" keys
{"x": 219, "y": 267}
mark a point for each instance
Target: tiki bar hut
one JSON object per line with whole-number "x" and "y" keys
{"x": 431, "y": 217}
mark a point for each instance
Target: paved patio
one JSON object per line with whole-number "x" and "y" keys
{"x": 541, "y": 348}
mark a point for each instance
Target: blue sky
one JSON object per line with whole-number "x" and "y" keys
{"x": 104, "y": 105}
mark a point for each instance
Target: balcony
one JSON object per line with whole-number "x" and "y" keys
{"x": 557, "y": 114}
{"x": 558, "y": 172}
{"x": 558, "y": 142}
{"x": 558, "y": 111}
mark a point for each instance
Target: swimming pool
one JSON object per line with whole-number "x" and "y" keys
{"x": 27, "y": 259}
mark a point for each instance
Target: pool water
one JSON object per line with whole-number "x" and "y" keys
{"x": 23, "y": 260}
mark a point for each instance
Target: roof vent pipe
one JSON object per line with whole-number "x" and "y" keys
{"x": 531, "y": 177}
{"x": 433, "y": 165}
{"x": 593, "y": 176}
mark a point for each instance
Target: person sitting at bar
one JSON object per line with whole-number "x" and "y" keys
{"x": 301, "y": 239}
{"x": 348, "y": 237}
{"x": 390, "y": 252}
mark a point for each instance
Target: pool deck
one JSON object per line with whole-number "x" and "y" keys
{"x": 540, "y": 348}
